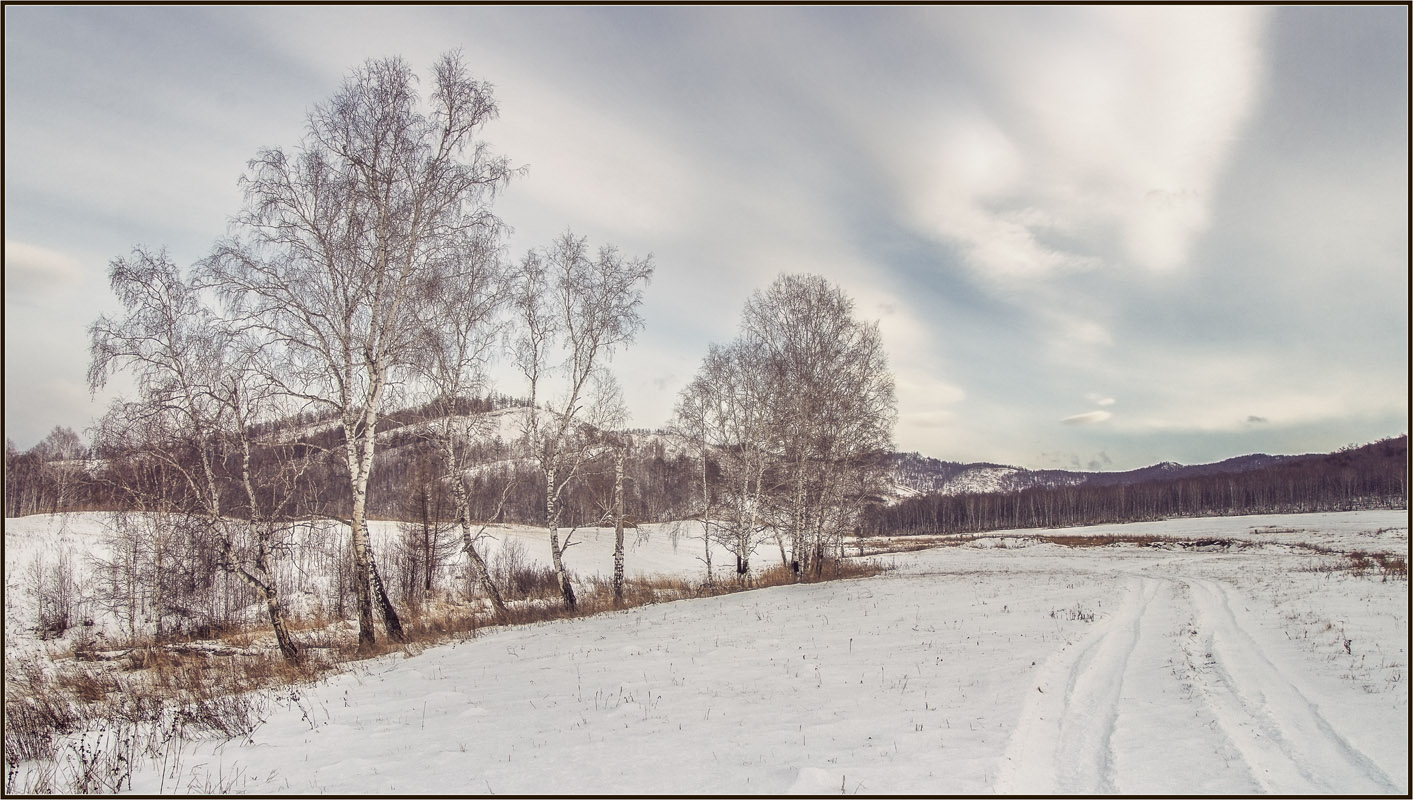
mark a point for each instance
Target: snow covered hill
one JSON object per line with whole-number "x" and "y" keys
{"x": 915, "y": 474}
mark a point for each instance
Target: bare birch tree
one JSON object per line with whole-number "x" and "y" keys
{"x": 194, "y": 410}
{"x": 573, "y": 311}
{"x": 337, "y": 241}
{"x": 727, "y": 410}
{"x": 458, "y": 342}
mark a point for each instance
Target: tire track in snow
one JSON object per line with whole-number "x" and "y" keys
{"x": 1063, "y": 740}
{"x": 1287, "y": 744}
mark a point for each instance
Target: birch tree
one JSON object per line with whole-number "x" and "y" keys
{"x": 193, "y": 412}
{"x": 573, "y": 311}
{"x": 690, "y": 417}
{"x": 458, "y": 342}
{"x": 726, "y": 409}
{"x": 338, "y": 240}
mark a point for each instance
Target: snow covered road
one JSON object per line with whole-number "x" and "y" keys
{"x": 1104, "y": 718}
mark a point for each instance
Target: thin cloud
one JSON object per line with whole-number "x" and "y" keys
{"x": 31, "y": 269}
{"x": 1087, "y": 418}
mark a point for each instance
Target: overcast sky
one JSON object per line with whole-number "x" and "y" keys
{"x": 1093, "y": 237}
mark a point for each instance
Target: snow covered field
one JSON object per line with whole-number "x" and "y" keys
{"x": 999, "y": 665}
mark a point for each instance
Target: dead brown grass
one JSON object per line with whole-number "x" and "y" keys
{"x": 1385, "y": 566}
{"x": 911, "y": 544}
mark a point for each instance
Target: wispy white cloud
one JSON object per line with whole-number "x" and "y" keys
{"x": 1087, "y": 418}
{"x": 32, "y": 269}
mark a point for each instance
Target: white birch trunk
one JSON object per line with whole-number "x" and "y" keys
{"x": 618, "y": 528}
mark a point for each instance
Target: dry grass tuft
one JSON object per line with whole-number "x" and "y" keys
{"x": 1360, "y": 564}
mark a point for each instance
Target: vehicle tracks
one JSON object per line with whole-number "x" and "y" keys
{"x": 1288, "y": 744}
{"x": 1172, "y": 692}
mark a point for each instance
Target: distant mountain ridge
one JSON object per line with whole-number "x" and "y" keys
{"x": 1374, "y": 475}
{"x": 915, "y": 474}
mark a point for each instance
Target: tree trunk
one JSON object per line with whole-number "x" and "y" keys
{"x": 618, "y": 528}
{"x": 362, "y": 559}
{"x": 565, "y": 588}
{"x": 557, "y": 554}
{"x": 463, "y": 514}
{"x": 483, "y": 573}
{"x": 428, "y": 542}
{"x": 706, "y": 517}
{"x": 360, "y": 441}
{"x": 288, "y": 647}
{"x": 391, "y": 620}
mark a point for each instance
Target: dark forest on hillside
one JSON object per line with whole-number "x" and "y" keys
{"x": 58, "y": 475}
{"x": 1372, "y": 476}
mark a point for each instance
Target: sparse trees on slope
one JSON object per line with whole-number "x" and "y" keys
{"x": 47, "y": 478}
{"x": 573, "y": 310}
{"x": 338, "y": 242}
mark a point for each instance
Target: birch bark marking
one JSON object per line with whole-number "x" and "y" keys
{"x": 566, "y": 588}
{"x": 618, "y": 457}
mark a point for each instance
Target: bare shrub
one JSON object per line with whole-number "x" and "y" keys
{"x": 56, "y": 594}
{"x": 1392, "y": 566}
{"x": 827, "y": 569}
{"x": 103, "y": 764}
{"x": 1077, "y": 614}
{"x": 520, "y": 579}
{"x": 1359, "y": 563}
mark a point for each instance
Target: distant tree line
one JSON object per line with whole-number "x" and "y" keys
{"x": 47, "y": 478}
{"x": 1372, "y": 476}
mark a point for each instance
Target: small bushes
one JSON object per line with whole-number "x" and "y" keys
{"x": 1385, "y": 565}
{"x": 1077, "y": 614}
{"x": 1360, "y": 564}
{"x": 55, "y": 590}
{"x": 1392, "y": 566}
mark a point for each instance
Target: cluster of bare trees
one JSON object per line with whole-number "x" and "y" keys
{"x": 794, "y": 421}
{"x": 364, "y": 272}
{"x": 48, "y": 477}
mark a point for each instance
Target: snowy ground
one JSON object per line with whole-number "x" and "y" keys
{"x": 37, "y": 543}
{"x": 1000, "y": 665}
